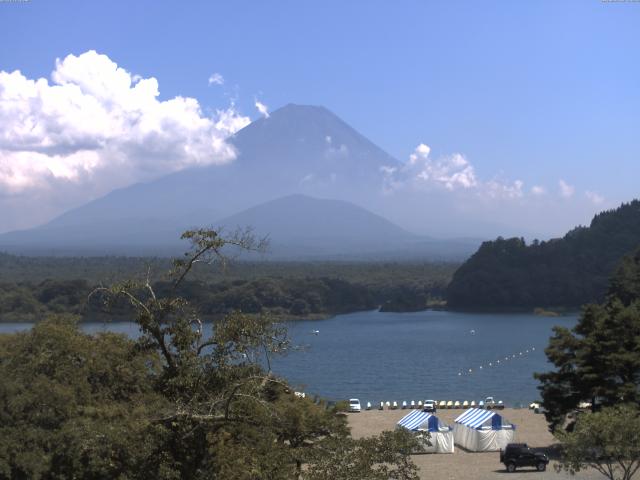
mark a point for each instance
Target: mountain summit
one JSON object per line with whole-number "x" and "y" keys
{"x": 310, "y": 145}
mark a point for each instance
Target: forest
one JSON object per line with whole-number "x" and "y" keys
{"x": 565, "y": 272}
{"x": 34, "y": 287}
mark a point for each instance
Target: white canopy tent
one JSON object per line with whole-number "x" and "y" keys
{"x": 481, "y": 430}
{"x": 441, "y": 436}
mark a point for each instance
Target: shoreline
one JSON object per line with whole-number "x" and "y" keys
{"x": 540, "y": 312}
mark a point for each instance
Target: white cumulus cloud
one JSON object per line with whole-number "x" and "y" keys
{"x": 262, "y": 108}
{"x": 452, "y": 172}
{"x": 448, "y": 173}
{"x": 538, "y": 190}
{"x": 95, "y": 122}
{"x": 566, "y": 190}
{"x": 216, "y": 79}
{"x": 93, "y": 127}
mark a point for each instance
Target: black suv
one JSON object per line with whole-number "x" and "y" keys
{"x": 520, "y": 455}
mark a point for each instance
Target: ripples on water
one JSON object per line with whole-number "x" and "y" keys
{"x": 410, "y": 356}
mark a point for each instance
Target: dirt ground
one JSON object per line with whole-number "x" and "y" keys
{"x": 531, "y": 428}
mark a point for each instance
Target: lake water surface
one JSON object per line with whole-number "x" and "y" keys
{"x": 378, "y": 356}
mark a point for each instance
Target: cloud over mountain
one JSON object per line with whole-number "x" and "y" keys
{"x": 95, "y": 127}
{"x": 262, "y": 108}
{"x": 449, "y": 173}
{"x": 97, "y": 118}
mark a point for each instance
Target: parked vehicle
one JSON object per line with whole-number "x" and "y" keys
{"x": 520, "y": 455}
{"x": 489, "y": 403}
{"x": 430, "y": 406}
{"x": 354, "y": 405}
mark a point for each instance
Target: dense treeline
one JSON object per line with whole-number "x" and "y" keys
{"x": 108, "y": 269}
{"x": 566, "y": 272}
{"x": 356, "y": 287}
{"x": 599, "y": 359}
{"x": 25, "y": 302}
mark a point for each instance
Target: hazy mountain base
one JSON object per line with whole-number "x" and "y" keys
{"x": 298, "y": 227}
{"x": 311, "y": 149}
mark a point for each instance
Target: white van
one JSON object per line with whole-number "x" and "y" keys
{"x": 354, "y": 405}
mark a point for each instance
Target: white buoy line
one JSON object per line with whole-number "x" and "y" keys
{"x": 496, "y": 363}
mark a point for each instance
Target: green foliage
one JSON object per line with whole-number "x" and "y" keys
{"x": 608, "y": 441}
{"x": 72, "y": 405}
{"x": 375, "y": 458}
{"x": 567, "y": 272}
{"x": 172, "y": 404}
{"x": 287, "y": 297}
{"x": 599, "y": 359}
{"x": 625, "y": 284}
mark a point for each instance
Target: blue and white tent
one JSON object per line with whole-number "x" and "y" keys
{"x": 482, "y": 430}
{"x": 441, "y": 436}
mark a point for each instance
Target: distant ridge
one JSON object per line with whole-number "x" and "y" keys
{"x": 300, "y": 225}
{"x": 566, "y": 272}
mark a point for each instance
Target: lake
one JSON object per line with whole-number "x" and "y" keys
{"x": 378, "y": 356}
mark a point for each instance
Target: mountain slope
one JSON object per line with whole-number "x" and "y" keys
{"x": 283, "y": 154}
{"x": 313, "y": 149}
{"x": 302, "y": 225}
{"x": 565, "y": 272}
{"x": 298, "y": 149}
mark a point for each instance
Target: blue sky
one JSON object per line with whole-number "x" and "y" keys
{"x": 536, "y": 91}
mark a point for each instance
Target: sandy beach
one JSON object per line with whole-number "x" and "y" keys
{"x": 531, "y": 428}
